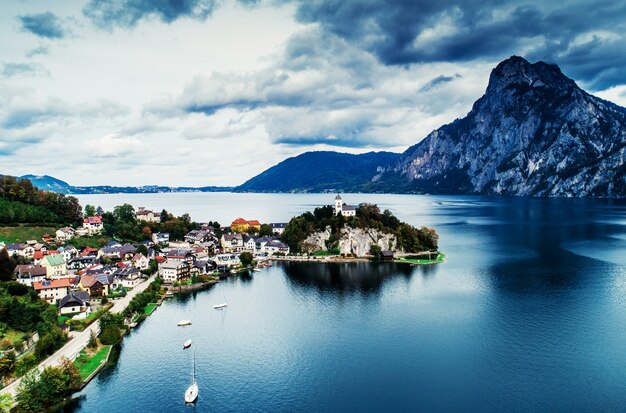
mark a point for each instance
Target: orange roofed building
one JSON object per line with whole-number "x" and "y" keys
{"x": 52, "y": 290}
{"x": 241, "y": 225}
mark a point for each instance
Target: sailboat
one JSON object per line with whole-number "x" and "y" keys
{"x": 221, "y": 305}
{"x": 191, "y": 394}
{"x": 187, "y": 344}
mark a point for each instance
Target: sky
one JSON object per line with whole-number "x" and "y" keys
{"x": 213, "y": 92}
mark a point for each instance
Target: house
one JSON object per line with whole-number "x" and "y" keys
{"x": 93, "y": 285}
{"x": 343, "y": 209}
{"x": 241, "y": 225}
{"x": 28, "y": 274}
{"x": 278, "y": 228}
{"x": 79, "y": 263}
{"x": 249, "y": 244}
{"x": 227, "y": 260}
{"x": 88, "y": 251}
{"x": 262, "y": 241}
{"x": 93, "y": 225}
{"x": 65, "y": 234}
{"x": 146, "y": 215}
{"x": 180, "y": 255}
{"x": 173, "y": 271}
{"x": 232, "y": 242}
{"x": 276, "y": 246}
{"x": 140, "y": 262}
{"x": 20, "y": 250}
{"x": 52, "y": 290}
{"x": 68, "y": 252}
{"x": 386, "y": 255}
{"x": 55, "y": 265}
{"x": 161, "y": 238}
{"x": 81, "y": 232}
{"x": 198, "y": 236}
{"x": 130, "y": 276}
{"x": 47, "y": 238}
{"x": 74, "y": 302}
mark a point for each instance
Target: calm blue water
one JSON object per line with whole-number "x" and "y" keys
{"x": 528, "y": 314}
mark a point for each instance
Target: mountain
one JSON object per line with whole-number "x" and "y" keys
{"x": 533, "y": 133}
{"x": 49, "y": 183}
{"x": 320, "y": 172}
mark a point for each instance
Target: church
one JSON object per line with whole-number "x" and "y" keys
{"x": 343, "y": 209}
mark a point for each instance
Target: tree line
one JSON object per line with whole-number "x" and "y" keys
{"x": 22, "y": 202}
{"x": 368, "y": 216}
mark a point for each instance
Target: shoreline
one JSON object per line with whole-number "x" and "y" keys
{"x": 326, "y": 259}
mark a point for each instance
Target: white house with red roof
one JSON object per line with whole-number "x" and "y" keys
{"x": 52, "y": 290}
{"x": 146, "y": 215}
{"x": 93, "y": 225}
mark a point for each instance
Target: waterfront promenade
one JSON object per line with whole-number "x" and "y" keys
{"x": 73, "y": 347}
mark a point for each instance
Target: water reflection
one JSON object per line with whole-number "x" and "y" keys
{"x": 343, "y": 278}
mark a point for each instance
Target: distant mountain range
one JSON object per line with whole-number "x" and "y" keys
{"x": 49, "y": 183}
{"x": 320, "y": 172}
{"x": 533, "y": 133}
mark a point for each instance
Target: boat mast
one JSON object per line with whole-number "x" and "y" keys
{"x": 193, "y": 370}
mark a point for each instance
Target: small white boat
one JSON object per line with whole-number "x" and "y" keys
{"x": 191, "y": 394}
{"x": 257, "y": 269}
{"x": 169, "y": 294}
{"x": 222, "y": 305}
{"x": 187, "y": 344}
{"x": 184, "y": 323}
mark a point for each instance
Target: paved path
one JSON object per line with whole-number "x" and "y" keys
{"x": 73, "y": 347}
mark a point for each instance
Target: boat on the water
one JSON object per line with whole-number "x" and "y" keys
{"x": 187, "y": 344}
{"x": 256, "y": 269}
{"x": 221, "y": 305}
{"x": 184, "y": 323}
{"x": 191, "y": 394}
{"x": 169, "y": 294}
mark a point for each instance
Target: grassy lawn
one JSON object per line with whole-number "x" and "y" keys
{"x": 438, "y": 259}
{"x": 321, "y": 253}
{"x": 10, "y": 335}
{"x": 149, "y": 308}
{"x": 95, "y": 241}
{"x": 21, "y": 233}
{"x": 87, "y": 363}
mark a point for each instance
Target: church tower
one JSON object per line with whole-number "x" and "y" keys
{"x": 338, "y": 204}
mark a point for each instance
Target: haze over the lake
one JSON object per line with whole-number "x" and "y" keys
{"x": 205, "y": 92}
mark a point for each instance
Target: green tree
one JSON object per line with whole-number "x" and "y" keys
{"x": 90, "y": 210}
{"x": 142, "y": 249}
{"x": 93, "y": 340}
{"x": 53, "y": 385}
{"x": 246, "y": 258}
{"x": 7, "y": 266}
{"x": 6, "y": 403}
{"x": 375, "y": 250}
{"x": 7, "y": 364}
{"x": 99, "y": 211}
{"x": 124, "y": 214}
{"x": 266, "y": 230}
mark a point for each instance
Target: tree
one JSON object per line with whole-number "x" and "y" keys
{"x": 90, "y": 211}
{"x": 266, "y": 230}
{"x": 6, "y": 403}
{"x": 375, "y": 250}
{"x": 99, "y": 211}
{"x": 147, "y": 233}
{"x": 7, "y": 266}
{"x": 7, "y": 364}
{"x": 142, "y": 249}
{"x": 124, "y": 214}
{"x": 93, "y": 340}
{"x": 53, "y": 385}
{"x": 246, "y": 258}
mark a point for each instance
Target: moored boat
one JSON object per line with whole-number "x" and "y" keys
{"x": 191, "y": 394}
{"x": 187, "y": 344}
{"x": 184, "y": 323}
{"x": 221, "y": 305}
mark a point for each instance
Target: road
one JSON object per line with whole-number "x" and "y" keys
{"x": 73, "y": 347}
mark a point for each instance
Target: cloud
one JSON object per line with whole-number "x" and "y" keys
{"x": 113, "y": 145}
{"x": 37, "y": 51}
{"x": 438, "y": 81}
{"x": 22, "y": 69}
{"x": 128, "y": 13}
{"x": 405, "y": 32}
{"x": 46, "y": 25}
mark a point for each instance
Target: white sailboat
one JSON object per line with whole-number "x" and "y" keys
{"x": 191, "y": 394}
{"x": 221, "y": 305}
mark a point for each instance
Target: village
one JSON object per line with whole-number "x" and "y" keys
{"x": 74, "y": 279}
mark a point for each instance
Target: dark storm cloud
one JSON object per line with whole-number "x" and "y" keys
{"x": 46, "y": 25}
{"x": 127, "y": 13}
{"x": 426, "y": 31}
{"x": 438, "y": 81}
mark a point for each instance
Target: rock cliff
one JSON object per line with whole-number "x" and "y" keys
{"x": 352, "y": 241}
{"x": 533, "y": 133}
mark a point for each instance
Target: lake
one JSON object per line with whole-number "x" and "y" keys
{"x": 527, "y": 314}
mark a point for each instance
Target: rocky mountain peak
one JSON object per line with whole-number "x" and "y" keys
{"x": 519, "y": 72}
